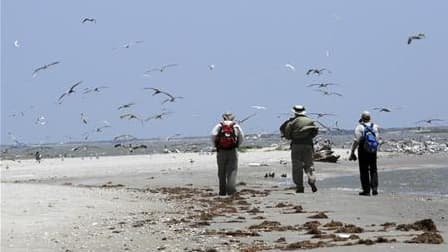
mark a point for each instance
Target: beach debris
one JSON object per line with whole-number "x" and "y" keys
{"x": 349, "y": 228}
{"x": 269, "y": 175}
{"x": 257, "y": 164}
{"x": 320, "y": 215}
{"x": 323, "y": 152}
{"x": 421, "y": 225}
{"x": 412, "y": 146}
{"x": 427, "y": 237}
{"x": 305, "y": 245}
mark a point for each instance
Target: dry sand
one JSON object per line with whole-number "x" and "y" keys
{"x": 169, "y": 202}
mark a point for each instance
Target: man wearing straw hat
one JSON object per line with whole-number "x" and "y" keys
{"x": 301, "y": 130}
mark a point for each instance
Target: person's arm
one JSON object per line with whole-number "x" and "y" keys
{"x": 240, "y": 136}
{"x": 214, "y": 133}
{"x": 358, "y": 135}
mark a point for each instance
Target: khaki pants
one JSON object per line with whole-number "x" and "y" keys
{"x": 302, "y": 160}
{"x": 227, "y": 170}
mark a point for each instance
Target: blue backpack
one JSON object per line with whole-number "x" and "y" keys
{"x": 370, "y": 142}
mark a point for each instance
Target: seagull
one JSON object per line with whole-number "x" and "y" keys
{"x": 319, "y": 115}
{"x": 259, "y": 107}
{"x": 317, "y": 71}
{"x": 87, "y": 19}
{"x": 429, "y": 121}
{"x": 128, "y": 105}
{"x": 41, "y": 120}
{"x": 69, "y": 91}
{"x": 211, "y": 67}
{"x": 100, "y": 129}
{"x": 131, "y": 116}
{"x": 83, "y": 118}
{"x": 246, "y": 118}
{"x": 156, "y": 91}
{"x": 124, "y": 137}
{"x": 161, "y": 69}
{"x": 16, "y": 44}
{"x": 418, "y": 36}
{"x": 322, "y": 85}
{"x": 96, "y": 89}
{"x": 128, "y": 45}
{"x": 290, "y": 67}
{"x": 382, "y": 109}
{"x": 171, "y": 99}
{"x": 44, "y": 67}
{"x": 325, "y": 92}
{"x": 158, "y": 116}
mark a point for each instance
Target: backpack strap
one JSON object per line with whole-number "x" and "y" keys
{"x": 369, "y": 128}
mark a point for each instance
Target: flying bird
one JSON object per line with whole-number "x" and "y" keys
{"x": 259, "y": 107}
{"x": 325, "y": 92}
{"x": 430, "y": 121}
{"x": 131, "y": 116}
{"x": 44, "y": 67}
{"x": 88, "y": 19}
{"x": 41, "y": 120}
{"x": 83, "y": 118}
{"x": 126, "y": 137}
{"x": 161, "y": 69}
{"x": 158, "y": 116}
{"x": 322, "y": 85}
{"x": 100, "y": 129}
{"x": 317, "y": 71}
{"x": 211, "y": 67}
{"x": 129, "y": 45}
{"x": 417, "y": 36}
{"x": 290, "y": 67}
{"x": 171, "y": 99}
{"x": 246, "y": 118}
{"x": 69, "y": 91}
{"x": 96, "y": 89}
{"x": 16, "y": 44}
{"x": 319, "y": 115}
{"x": 382, "y": 109}
{"x": 128, "y": 105}
{"x": 156, "y": 91}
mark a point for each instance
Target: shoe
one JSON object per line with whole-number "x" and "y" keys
{"x": 300, "y": 190}
{"x": 375, "y": 192}
{"x": 364, "y": 193}
{"x": 313, "y": 186}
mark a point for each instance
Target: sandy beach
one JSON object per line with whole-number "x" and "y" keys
{"x": 169, "y": 202}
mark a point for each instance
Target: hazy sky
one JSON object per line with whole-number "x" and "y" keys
{"x": 363, "y": 43}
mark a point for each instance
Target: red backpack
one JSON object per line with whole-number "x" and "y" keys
{"x": 226, "y": 138}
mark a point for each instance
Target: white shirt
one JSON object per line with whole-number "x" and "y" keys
{"x": 359, "y": 131}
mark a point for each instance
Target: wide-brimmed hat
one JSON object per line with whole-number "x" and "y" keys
{"x": 298, "y": 110}
{"x": 228, "y": 116}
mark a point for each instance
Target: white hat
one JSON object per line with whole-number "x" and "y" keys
{"x": 365, "y": 116}
{"x": 298, "y": 110}
{"x": 228, "y": 116}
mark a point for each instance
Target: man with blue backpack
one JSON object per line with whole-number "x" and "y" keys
{"x": 366, "y": 141}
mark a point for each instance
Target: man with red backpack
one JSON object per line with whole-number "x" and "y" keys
{"x": 367, "y": 143}
{"x": 227, "y": 136}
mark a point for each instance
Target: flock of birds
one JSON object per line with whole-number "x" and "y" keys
{"x": 324, "y": 88}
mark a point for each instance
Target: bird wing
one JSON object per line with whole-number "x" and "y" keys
{"x": 37, "y": 70}
{"x": 338, "y": 94}
{"x": 312, "y": 85}
{"x": 169, "y": 65}
{"x": 309, "y": 71}
{"x": 409, "y": 40}
{"x": 72, "y": 88}
{"x": 60, "y": 97}
{"x": 247, "y": 118}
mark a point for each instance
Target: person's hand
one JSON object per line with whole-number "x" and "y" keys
{"x": 352, "y": 157}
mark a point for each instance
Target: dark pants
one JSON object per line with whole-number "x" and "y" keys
{"x": 227, "y": 170}
{"x": 302, "y": 160}
{"x": 368, "y": 170}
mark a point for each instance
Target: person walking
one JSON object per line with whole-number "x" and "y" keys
{"x": 227, "y": 136}
{"x": 301, "y": 130}
{"x": 366, "y": 141}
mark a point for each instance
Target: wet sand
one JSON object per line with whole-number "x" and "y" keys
{"x": 169, "y": 202}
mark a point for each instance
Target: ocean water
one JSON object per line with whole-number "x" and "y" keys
{"x": 425, "y": 182}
